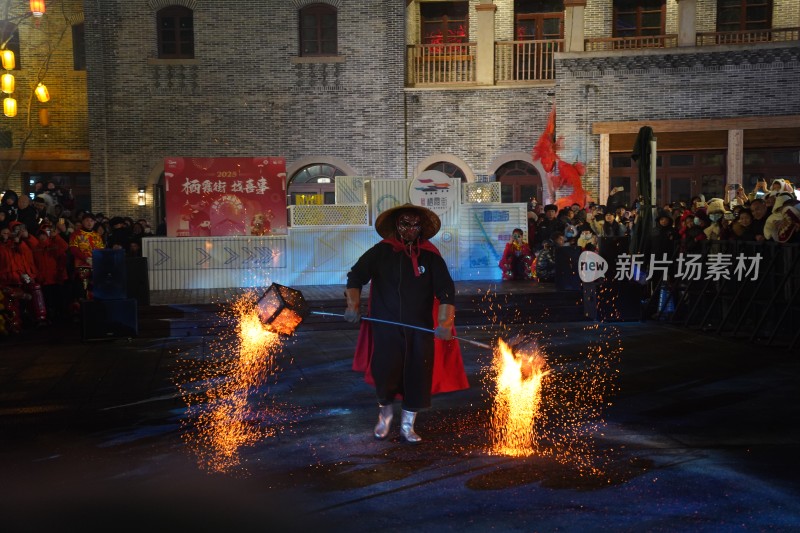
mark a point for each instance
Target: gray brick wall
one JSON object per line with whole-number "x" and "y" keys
{"x": 724, "y": 82}
{"x": 246, "y": 94}
{"x": 475, "y": 125}
{"x": 597, "y": 18}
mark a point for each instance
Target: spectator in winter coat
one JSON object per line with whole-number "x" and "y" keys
{"x": 28, "y": 215}
{"x": 774, "y": 220}
{"x": 517, "y": 258}
{"x": 9, "y": 205}
{"x": 742, "y": 228}
{"x": 17, "y": 266}
{"x": 547, "y": 225}
{"x": 546, "y": 262}
{"x": 50, "y": 256}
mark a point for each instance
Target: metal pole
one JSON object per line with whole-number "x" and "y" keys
{"x": 370, "y": 319}
{"x": 653, "y": 179}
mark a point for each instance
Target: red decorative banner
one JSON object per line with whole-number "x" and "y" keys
{"x": 223, "y": 196}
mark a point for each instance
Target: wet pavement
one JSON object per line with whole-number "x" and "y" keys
{"x": 652, "y": 427}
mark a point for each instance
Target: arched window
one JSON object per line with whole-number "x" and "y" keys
{"x": 739, "y": 15}
{"x": 318, "y": 33}
{"x": 9, "y": 37}
{"x": 450, "y": 169}
{"x": 175, "y": 33}
{"x": 314, "y": 184}
{"x": 519, "y": 181}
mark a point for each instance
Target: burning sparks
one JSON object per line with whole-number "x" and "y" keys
{"x": 552, "y": 405}
{"x": 221, "y": 427}
{"x": 517, "y": 401}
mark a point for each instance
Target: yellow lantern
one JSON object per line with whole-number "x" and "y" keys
{"x": 10, "y": 107}
{"x": 9, "y": 62}
{"x": 41, "y": 93}
{"x": 44, "y": 117}
{"x": 7, "y": 83}
{"x": 37, "y": 8}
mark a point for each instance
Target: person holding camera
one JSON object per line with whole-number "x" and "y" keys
{"x": 517, "y": 260}
{"x": 759, "y": 191}
{"x": 18, "y": 271}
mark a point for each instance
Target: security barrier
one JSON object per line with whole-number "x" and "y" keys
{"x": 746, "y": 290}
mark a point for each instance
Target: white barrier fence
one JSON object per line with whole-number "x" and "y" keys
{"x": 322, "y": 255}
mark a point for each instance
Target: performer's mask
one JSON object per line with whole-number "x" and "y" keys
{"x": 409, "y": 226}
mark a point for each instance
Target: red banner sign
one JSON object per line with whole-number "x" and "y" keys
{"x": 223, "y": 196}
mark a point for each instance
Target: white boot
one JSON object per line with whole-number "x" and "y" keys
{"x": 407, "y": 427}
{"x": 385, "y": 414}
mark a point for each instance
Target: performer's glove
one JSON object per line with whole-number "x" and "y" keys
{"x": 352, "y": 315}
{"x": 446, "y": 319}
{"x": 353, "y": 297}
{"x": 443, "y": 332}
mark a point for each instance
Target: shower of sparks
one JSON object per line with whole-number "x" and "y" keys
{"x": 220, "y": 425}
{"x": 516, "y": 403}
{"x": 559, "y": 398}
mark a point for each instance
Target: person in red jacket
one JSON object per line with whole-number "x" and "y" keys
{"x": 18, "y": 272}
{"x": 17, "y": 266}
{"x": 517, "y": 258}
{"x": 50, "y": 256}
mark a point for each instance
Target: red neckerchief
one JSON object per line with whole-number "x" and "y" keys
{"x": 412, "y": 250}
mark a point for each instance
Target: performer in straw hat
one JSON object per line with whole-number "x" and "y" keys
{"x": 410, "y": 284}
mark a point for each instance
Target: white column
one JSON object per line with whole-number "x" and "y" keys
{"x": 604, "y": 167}
{"x": 484, "y": 73}
{"x": 735, "y": 160}
{"x": 687, "y": 22}
{"x": 573, "y": 25}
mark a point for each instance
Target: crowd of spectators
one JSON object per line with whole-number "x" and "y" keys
{"x": 46, "y": 255}
{"x": 768, "y": 213}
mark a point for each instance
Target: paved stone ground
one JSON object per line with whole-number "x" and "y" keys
{"x": 696, "y": 433}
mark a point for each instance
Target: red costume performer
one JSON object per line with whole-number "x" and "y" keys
{"x": 517, "y": 260}
{"x": 407, "y": 277}
{"x": 81, "y": 245}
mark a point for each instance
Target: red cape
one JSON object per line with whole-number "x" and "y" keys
{"x": 448, "y": 366}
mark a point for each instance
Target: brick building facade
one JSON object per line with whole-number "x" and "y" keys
{"x": 248, "y": 91}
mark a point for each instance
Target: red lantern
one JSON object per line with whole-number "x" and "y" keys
{"x": 37, "y": 8}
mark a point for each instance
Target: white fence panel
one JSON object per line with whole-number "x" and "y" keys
{"x": 350, "y": 190}
{"x": 385, "y": 194}
{"x": 483, "y": 233}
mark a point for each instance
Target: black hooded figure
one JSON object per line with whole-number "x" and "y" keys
{"x": 9, "y": 205}
{"x": 642, "y": 154}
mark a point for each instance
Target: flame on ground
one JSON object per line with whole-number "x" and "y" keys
{"x": 552, "y": 405}
{"x": 221, "y": 427}
{"x": 517, "y": 402}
